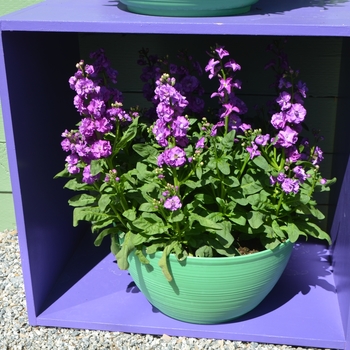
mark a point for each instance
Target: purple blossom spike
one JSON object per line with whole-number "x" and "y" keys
{"x": 287, "y": 137}
{"x": 174, "y": 157}
{"x": 290, "y": 185}
{"x": 296, "y": 114}
{"x": 262, "y": 140}
{"x": 211, "y": 68}
{"x": 253, "y": 151}
{"x": 173, "y": 203}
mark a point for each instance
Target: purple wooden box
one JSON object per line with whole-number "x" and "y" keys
{"x": 70, "y": 283}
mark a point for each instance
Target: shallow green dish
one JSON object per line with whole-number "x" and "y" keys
{"x": 210, "y": 290}
{"x": 189, "y": 8}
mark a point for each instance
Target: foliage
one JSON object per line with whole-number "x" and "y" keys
{"x": 168, "y": 179}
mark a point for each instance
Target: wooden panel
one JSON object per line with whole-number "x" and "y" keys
{"x": 7, "y": 217}
{"x": 5, "y": 184}
{"x": 318, "y": 59}
{"x": 2, "y": 132}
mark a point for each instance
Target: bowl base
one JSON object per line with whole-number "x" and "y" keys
{"x": 187, "y": 12}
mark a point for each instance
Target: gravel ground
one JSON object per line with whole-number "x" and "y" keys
{"x": 17, "y": 334}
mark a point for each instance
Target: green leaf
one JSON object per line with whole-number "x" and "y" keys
{"x": 104, "y": 201}
{"x": 224, "y": 166}
{"x": 141, "y": 256}
{"x": 293, "y": 232}
{"x": 205, "y": 222}
{"x": 130, "y": 214}
{"x": 63, "y": 173}
{"x": 250, "y": 185}
{"x": 199, "y": 171}
{"x": 145, "y": 150}
{"x": 177, "y": 216}
{"x": 148, "y": 207}
{"x": 262, "y": 163}
{"x": 255, "y": 219}
{"x": 128, "y": 135}
{"x": 205, "y": 251}
{"x": 88, "y": 214}
{"x": 228, "y": 140}
{"x": 313, "y": 230}
{"x": 205, "y": 198}
{"x": 108, "y": 231}
{"x": 163, "y": 261}
{"x": 115, "y": 245}
{"x": 74, "y": 185}
{"x": 277, "y": 231}
{"x": 126, "y": 249}
{"x": 96, "y": 166}
{"x": 82, "y": 200}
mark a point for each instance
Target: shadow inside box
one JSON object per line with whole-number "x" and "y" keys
{"x": 81, "y": 264}
{"x": 308, "y": 267}
{"x": 266, "y": 7}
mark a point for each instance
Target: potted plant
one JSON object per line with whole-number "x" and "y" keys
{"x": 189, "y": 8}
{"x": 202, "y": 211}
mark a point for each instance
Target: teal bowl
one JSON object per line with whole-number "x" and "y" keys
{"x": 210, "y": 290}
{"x": 189, "y": 8}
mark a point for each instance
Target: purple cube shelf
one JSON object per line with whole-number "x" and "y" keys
{"x": 69, "y": 282}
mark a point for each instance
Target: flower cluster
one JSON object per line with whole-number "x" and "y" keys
{"x": 187, "y": 82}
{"x": 100, "y": 107}
{"x": 185, "y": 183}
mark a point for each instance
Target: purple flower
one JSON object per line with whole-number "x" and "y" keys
{"x": 173, "y": 203}
{"x": 284, "y": 83}
{"x": 290, "y": 185}
{"x": 96, "y": 108}
{"x": 165, "y": 111}
{"x": 87, "y": 127}
{"x": 215, "y": 128}
{"x": 211, "y": 67}
{"x": 189, "y": 83}
{"x": 323, "y": 181}
{"x": 292, "y": 154}
{"x": 273, "y": 180}
{"x": 225, "y": 84}
{"x": 72, "y": 161}
{"x": 287, "y": 137}
{"x": 317, "y": 156}
{"x": 101, "y": 149}
{"x": 180, "y": 126}
{"x": 300, "y": 173}
{"x": 262, "y": 139}
{"x": 253, "y": 150}
{"x": 229, "y": 109}
{"x": 302, "y": 88}
{"x": 233, "y": 65}
{"x": 278, "y": 120}
{"x": 200, "y": 143}
{"x": 222, "y": 52}
{"x": 103, "y": 125}
{"x": 87, "y": 177}
{"x": 174, "y": 157}
{"x": 280, "y": 178}
{"x": 296, "y": 114}
{"x": 161, "y": 132}
{"x": 79, "y": 104}
{"x": 284, "y": 100}
{"x": 84, "y": 87}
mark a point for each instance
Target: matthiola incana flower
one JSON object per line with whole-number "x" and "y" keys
{"x": 185, "y": 178}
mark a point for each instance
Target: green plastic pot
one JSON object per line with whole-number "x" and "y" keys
{"x": 189, "y": 8}
{"x": 210, "y": 290}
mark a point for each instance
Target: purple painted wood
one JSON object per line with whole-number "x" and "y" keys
{"x": 69, "y": 282}
{"x": 283, "y": 17}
